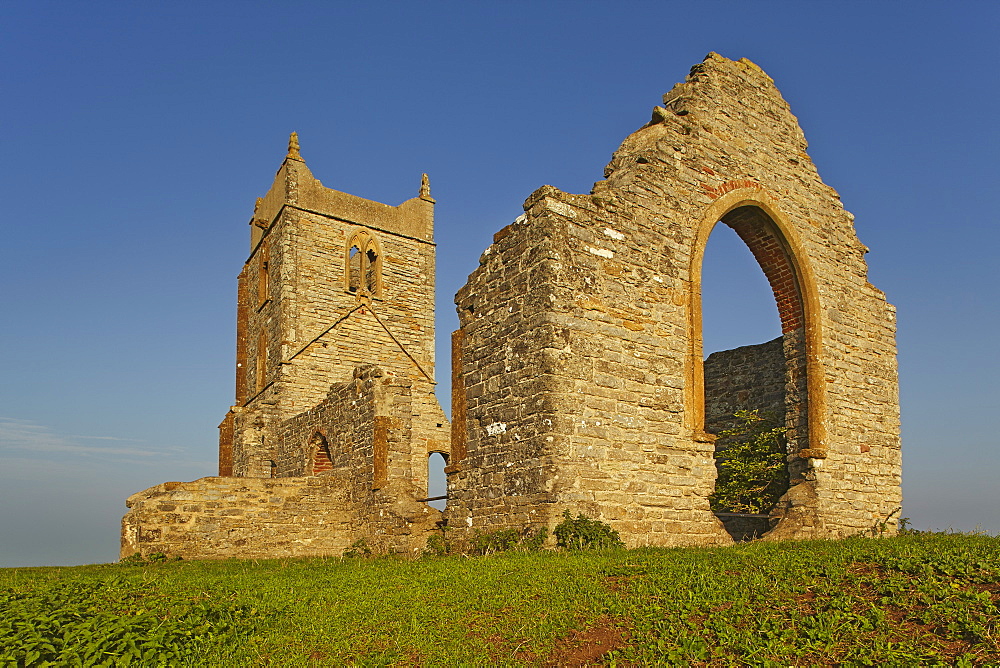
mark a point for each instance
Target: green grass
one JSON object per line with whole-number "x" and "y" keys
{"x": 904, "y": 601}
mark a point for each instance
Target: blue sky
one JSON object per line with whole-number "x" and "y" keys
{"x": 135, "y": 137}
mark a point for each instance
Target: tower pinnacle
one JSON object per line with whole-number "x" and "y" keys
{"x": 425, "y": 187}
{"x": 293, "y": 146}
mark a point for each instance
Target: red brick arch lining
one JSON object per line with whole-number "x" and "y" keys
{"x": 773, "y": 240}
{"x": 758, "y": 232}
{"x": 321, "y": 460}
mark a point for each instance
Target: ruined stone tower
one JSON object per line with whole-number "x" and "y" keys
{"x": 333, "y": 282}
{"x": 335, "y": 414}
{"x": 578, "y": 378}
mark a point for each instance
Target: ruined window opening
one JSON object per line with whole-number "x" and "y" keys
{"x": 437, "y": 483}
{"x": 272, "y": 467}
{"x": 261, "y": 371}
{"x": 363, "y": 266}
{"x": 753, "y": 365}
{"x": 321, "y": 458}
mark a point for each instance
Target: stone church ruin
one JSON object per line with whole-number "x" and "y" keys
{"x": 578, "y": 377}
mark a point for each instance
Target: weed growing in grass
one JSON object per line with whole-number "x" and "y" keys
{"x": 504, "y": 540}
{"x": 136, "y": 559}
{"x": 109, "y": 623}
{"x": 437, "y": 546}
{"x": 359, "y": 549}
{"x": 880, "y": 527}
{"x": 488, "y": 542}
{"x": 584, "y": 533}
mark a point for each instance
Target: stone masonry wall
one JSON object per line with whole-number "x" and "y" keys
{"x": 571, "y": 364}
{"x": 218, "y": 518}
{"x": 745, "y": 378}
{"x": 369, "y": 492}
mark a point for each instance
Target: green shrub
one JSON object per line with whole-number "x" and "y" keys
{"x": 505, "y": 540}
{"x": 584, "y": 533}
{"x": 136, "y": 559}
{"x": 752, "y": 467}
{"x": 437, "y": 546}
{"x": 487, "y": 542}
{"x": 359, "y": 549}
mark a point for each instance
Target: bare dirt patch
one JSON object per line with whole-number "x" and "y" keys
{"x": 589, "y": 646}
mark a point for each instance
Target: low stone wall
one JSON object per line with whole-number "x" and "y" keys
{"x": 745, "y": 378}
{"x": 219, "y": 518}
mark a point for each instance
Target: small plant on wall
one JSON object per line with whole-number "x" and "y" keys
{"x": 751, "y": 462}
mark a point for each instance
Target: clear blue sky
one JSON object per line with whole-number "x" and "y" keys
{"x": 135, "y": 137}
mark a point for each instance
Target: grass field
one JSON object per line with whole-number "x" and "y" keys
{"x": 924, "y": 599}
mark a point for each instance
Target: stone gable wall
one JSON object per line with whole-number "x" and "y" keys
{"x": 610, "y": 318}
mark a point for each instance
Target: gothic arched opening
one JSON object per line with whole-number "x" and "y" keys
{"x": 755, "y": 393}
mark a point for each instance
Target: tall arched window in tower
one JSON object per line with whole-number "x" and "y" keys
{"x": 363, "y": 265}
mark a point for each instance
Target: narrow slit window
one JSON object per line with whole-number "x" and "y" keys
{"x": 261, "y": 361}
{"x": 262, "y": 277}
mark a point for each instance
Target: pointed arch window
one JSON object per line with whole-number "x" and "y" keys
{"x": 354, "y": 270}
{"x": 363, "y": 266}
